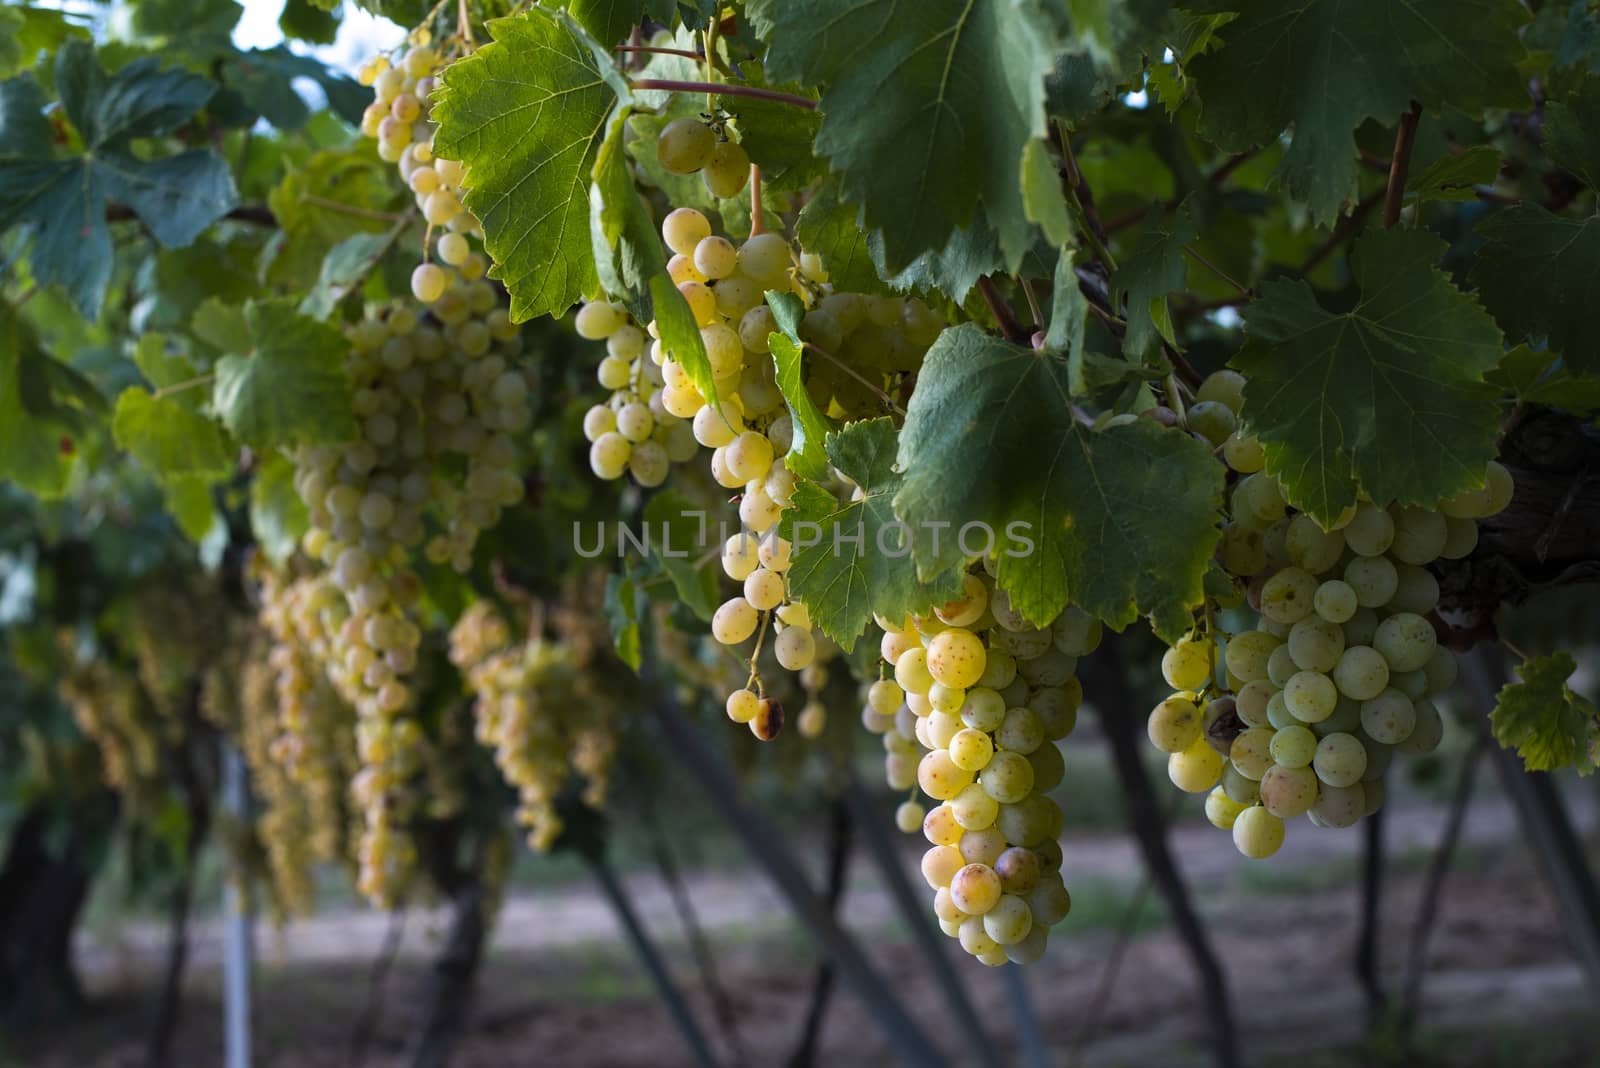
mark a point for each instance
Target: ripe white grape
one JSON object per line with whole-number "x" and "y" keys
{"x": 684, "y": 147}
{"x": 1336, "y": 601}
{"x": 1361, "y": 673}
{"x": 715, "y": 257}
{"x": 1374, "y": 580}
{"x": 1009, "y": 921}
{"x": 940, "y": 864}
{"x": 742, "y": 706}
{"x": 608, "y": 456}
{"x": 764, "y": 589}
{"x": 1288, "y": 792}
{"x": 1406, "y": 640}
{"x": 428, "y": 283}
{"x": 1389, "y": 717}
{"x": 765, "y": 258}
{"x": 1007, "y": 777}
{"x": 1341, "y": 760}
{"x": 1310, "y": 696}
{"x": 1187, "y": 665}
{"x": 908, "y": 817}
{"x": 940, "y": 777}
{"x": 726, "y": 170}
{"x": 734, "y": 621}
{"x": 975, "y": 889}
{"x": 1370, "y": 532}
{"x": 1257, "y": 833}
{"x": 1196, "y": 769}
{"x": 1293, "y": 747}
{"x": 1221, "y": 809}
{"x": 956, "y": 658}
{"x": 1174, "y": 725}
{"x": 683, "y": 229}
{"x": 974, "y": 809}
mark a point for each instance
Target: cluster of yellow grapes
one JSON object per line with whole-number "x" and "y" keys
{"x": 978, "y": 701}
{"x": 1302, "y": 713}
{"x": 297, "y": 738}
{"x": 689, "y": 145}
{"x": 110, "y": 706}
{"x": 656, "y": 415}
{"x": 538, "y": 708}
{"x": 398, "y": 119}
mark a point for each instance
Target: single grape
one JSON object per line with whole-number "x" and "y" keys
{"x": 1257, "y": 833}
{"x": 685, "y": 145}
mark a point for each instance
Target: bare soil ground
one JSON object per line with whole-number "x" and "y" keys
{"x": 562, "y": 989}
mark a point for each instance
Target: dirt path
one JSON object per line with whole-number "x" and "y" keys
{"x": 561, "y": 989}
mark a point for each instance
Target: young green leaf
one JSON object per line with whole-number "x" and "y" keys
{"x": 1326, "y": 66}
{"x": 680, "y": 336}
{"x": 1549, "y": 725}
{"x": 1387, "y": 397}
{"x": 678, "y": 533}
{"x": 1041, "y": 194}
{"x": 292, "y": 389}
{"x": 41, "y": 407}
{"x": 1155, "y": 268}
{"x": 526, "y": 114}
{"x": 1069, "y": 313}
{"x": 1455, "y": 176}
{"x": 278, "y": 516}
{"x": 853, "y": 559}
{"x": 622, "y": 613}
{"x": 807, "y": 455}
{"x": 168, "y": 437}
{"x": 627, "y": 249}
{"x": 923, "y": 115}
{"x": 1120, "y": 522}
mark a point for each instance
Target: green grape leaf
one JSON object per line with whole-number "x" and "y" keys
{"x": 170, "y": 438}
{"x": 309, "y": 205}
{"x": 221, "y": 326}
{"x": 1455, "y": 176}
{"x": 1550, "y": 726}
{"x": 61, "y": 204}
{"x": 853, "y": 559}
{"x": 292, "y": 389}
{"x": 1041, "y": 194}
{"x": 1572, "y": 132}
{"x": 922, "y": 117}
{"x": 278, "y": 516}
{"x": 43, "y": 404}
{"x": 622, "y": 614}
{"x": 953, "y": 270}
{"x": 677, "y": 531}
{"x": 607, "y": 21}
{"x": 1387, "y": 396}
{"x": 163, "y": 367}
{"x": 627, "y": 249}
{"x": 807, "y": 456}
{"x": 1155, "y": 268}
{"x": 680, "y": 336}
{"x": 346, "y": 264}
{"x": 313, "y": 22}
{"x": 1326, "y": 66}
{"x": 24, "y": 131}
{"x": 1120, "y": 522}
{"x": 1542, "y": 378}
{"x": 1536, "y": 273}
{"x": 27, "y": 31}
{"x": 527, "y": 114}
{"x": 1069, "y": 314}
{"x": 187, "y": 19}
{"x": 187, "y": 499}
{"x": 264, "y": 79}
{"x": 827, "y": 227}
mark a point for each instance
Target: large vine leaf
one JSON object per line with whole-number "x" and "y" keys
{"x": 309, "y": 205}
{"x": 292, "y": 388}
{"x": 1387, "y": 397}
{"x": 924, "y": 113}
{"x": 853, "y": 559}
{"x": 43, "y": 403}
{"x": 1549, "y": 725}
{"x": 1119, "y": 522}
{"x": 527, "y": 114}
{"x": 1572, "y": 132}
{"x": 61, "y": 203}
{"x": 278, "y": 517}
{"x": 1538, "y": 274}
{"x": 1326, "y": 66}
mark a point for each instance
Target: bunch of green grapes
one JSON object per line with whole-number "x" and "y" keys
{"x": 398, "y": 119}
{"x": 689, "y": 145}
{"x": 978, "y": 700}
{"x": 643, "y": 427}
{"x": 536, "y": 708}
{"x": 312, "y": 615}
{"x": 111, "y": 708}
{"x": 1302, "y": 713}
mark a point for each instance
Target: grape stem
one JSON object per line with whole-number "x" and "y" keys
{"x": 654, "y": 51}
{"x": 851, "y": 371}
{"x": 720, "y": 89}
{"x": 1080, "y": 198}
{"x": 202, "y": 380}
{"x": 1395, "y": 193}
{"x": 1000, "y": 308}
{"x": 347, "y": 209}
{"x": 757, "y": 222}
{"x": 1218, "y": 271}
{"x": 755, "y": 654}
{"x": 464, "y": 25}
